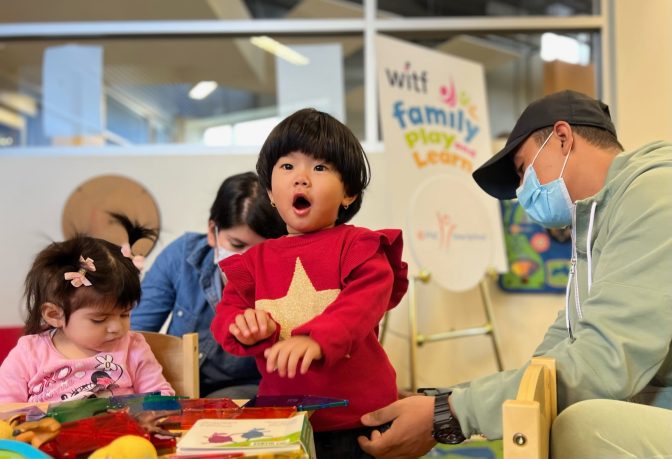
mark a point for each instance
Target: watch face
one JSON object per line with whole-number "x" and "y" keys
{"x": 446, "y": 427}
{"x": 449, "y": 436}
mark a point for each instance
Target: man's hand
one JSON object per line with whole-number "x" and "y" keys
{"x": 410, "y": 435}
{"x": 284, "y": 355}
{"x": 252, "y": 326}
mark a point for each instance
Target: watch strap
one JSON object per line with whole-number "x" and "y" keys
{"x": 446, "y": 426}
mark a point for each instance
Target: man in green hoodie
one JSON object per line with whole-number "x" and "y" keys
{"x": 612, "y": 342}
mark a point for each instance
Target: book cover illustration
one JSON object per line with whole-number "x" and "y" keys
{"x": 249, "y": 435}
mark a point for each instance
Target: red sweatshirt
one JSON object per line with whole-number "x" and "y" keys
{"x": 333, "y": 285}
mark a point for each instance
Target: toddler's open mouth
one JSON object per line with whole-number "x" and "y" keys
{"x": 301, "y": 203}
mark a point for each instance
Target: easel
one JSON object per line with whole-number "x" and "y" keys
{"x": 418, "y": 339}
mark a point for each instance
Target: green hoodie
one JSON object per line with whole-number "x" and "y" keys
{"x": 622, "y": 325}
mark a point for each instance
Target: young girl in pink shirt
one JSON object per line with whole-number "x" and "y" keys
{"x": 79, "y": 295}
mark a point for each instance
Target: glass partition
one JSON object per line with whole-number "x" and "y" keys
{"x": 177, "y": 90}
{"x": 473, "y": 8}
{"x": 521, "y": 67}
{"x": 221, "y": 72}
{"x": 173, "y": 10}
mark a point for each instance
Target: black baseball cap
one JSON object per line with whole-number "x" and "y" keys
{"x": 498, "y": 176}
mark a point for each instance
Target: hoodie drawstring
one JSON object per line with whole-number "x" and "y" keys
{"x": 572, "y": 278}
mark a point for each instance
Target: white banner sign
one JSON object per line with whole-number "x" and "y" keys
{"x": 435, "y": 127}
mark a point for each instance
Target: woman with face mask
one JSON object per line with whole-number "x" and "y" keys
{"x": 185, "y": 282}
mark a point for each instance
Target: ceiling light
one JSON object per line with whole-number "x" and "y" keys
{"x": 564, "y": 48}
{"x": 202, "y": 89}
{"x": 278, "y": 49}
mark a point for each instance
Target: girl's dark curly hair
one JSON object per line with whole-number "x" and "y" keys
{"x": 115, "y": 283}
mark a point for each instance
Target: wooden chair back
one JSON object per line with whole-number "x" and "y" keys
{"x": 179, "y": 359}
{"x": 527, "y": 420}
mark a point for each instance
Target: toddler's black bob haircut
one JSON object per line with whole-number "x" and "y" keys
{"x": 323, "y": 137}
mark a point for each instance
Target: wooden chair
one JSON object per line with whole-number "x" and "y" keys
{"x": 527, "y": 420}
{"x": 179, "y": 359}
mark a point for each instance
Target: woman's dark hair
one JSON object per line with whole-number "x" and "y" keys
{"x": 323, "y": 137}
{"x": 114, "y": 283}
{"x": 242, "y": 201}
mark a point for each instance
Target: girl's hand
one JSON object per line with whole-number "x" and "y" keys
{"x": 252, "y": 326}
{"x": 284, "y": 355}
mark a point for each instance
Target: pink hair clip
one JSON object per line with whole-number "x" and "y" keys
{"x": 77, "y": 279}
{"x": 138, "y": 260}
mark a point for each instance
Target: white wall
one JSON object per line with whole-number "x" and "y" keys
{"x": 643, "y": 71}
{"x": 35, "y": 189}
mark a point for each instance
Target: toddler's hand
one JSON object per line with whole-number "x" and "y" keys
{"x": 284, "y": 355}
{"x": 252, "y": 326}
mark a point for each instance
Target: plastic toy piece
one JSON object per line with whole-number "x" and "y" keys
{"x": 188, "y": 417}
{"x": 126, "y": 447}
{"x": 161, "y": 402}
{"x": 32, "y": 413}
{"x": 301, "y": 402}
{"x": 133, "y": 402}
{"x": 209, "y": 456}
{"x": 266, "y": 412}
{"x": 81, "y": 437}
{"x": 150, "y": 420}
{"x": 34, "y": 432}
{"x": 207, "y": 403}
{"x": 6, "y": 430}
{"x": 74, "y": 410}
{"x": 164, "y": 445}
{"x": 19, "y": 450}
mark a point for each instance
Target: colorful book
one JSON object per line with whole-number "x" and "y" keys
{"x": 250, "y": 436}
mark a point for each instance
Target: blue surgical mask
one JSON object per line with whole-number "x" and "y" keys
{"x": 549, "y": 204}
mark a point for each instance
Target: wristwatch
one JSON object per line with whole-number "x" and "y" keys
{"x": 446, "y": 426}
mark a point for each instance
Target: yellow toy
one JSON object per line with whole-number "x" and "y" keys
{"x": 126, "y": 447}
{"x": 5, "y": 430}
{"x": 34, "y": 432}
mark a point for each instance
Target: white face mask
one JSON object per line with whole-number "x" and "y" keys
{"x": 220, "y": 252}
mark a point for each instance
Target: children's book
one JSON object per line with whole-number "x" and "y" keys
{"x": 250, "y": 436}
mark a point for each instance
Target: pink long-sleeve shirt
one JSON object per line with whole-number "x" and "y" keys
{"x": 34, "y": 371}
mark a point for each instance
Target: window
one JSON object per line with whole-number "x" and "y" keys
{"x": 157, "y": 51}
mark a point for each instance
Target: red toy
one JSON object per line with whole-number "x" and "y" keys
{"x": 84, "y": 436}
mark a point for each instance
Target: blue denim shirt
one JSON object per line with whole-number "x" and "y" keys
{"x": 185, "y": 281}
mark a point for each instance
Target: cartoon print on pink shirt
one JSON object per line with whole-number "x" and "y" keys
{"x": 102, "y": 381}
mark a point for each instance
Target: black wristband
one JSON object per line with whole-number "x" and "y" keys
{"x": 446, "y": 426}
